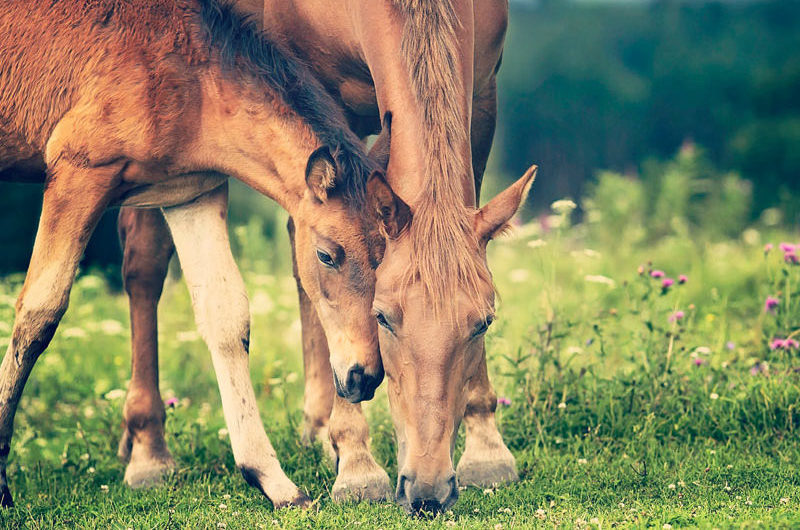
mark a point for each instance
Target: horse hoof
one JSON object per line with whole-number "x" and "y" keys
{"x": 372, "y": 485}
{"x": 142, "y": 473}
{"x": 497, "y": 467}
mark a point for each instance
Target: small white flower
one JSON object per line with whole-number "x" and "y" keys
{"x": 104, "y": 487}
{"x": 450, "y": 523}
{"x": 488, "y": 491}
{"x": 667, "y": 526}
{"x": 117, "y": 393}
{"x": 714, "y": 396}
{"x": 536, "y": 243}
{"x": 221, "y": 525}
{"x": 729, "y": 466}
{"x": 681, "y": 483}
{"x": 187, "y": 336}
{"x": 111, "y": 327}
{"x": 599, "y": 278}
{"x": 563, "y": 206}
{"x": 73, "y": 333}
{"x": 498, "y": 526}
{"x": 519, "y": 275}
{"x": 222, "y": 433}
{"x": 223, "y": 506}
{"x": 84, "y": 456}
{"x": 594, "y": 520}
{"x": 703, "y": 350}
{"x": 671, "y": 486}
{"x": 748, "y": 502}
{"x": 91, "y": 470}
{"x": 784, "y": 500}
{"x": 226, "y": 496}
{"x": 541, "y": 514}
{"x": 622, "y": 505}
{"x": 562, "y": 405}
{"x": 583, "y": 461}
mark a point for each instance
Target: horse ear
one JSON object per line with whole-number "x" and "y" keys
{"x": 392, "y": 212}
{"x": 321, "y": 173}
{"x": 379, "y": 151}
{"x": 492, "y": 219}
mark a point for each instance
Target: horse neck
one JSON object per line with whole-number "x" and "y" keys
{"x": 429, "y": 134}
{"x": 254, "y": 138}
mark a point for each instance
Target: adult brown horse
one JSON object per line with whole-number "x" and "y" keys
{"x": 153, "y": 103}
{"x": 428, "y": 68}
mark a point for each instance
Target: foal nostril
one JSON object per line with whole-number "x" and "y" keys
{"x": 358, "y": 385}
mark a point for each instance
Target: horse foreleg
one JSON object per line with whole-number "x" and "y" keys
{"x": 339, "y": 425}
{"x": 74, "y": 199}
{"x": 200, "y": 233}
{"x": 358, "y": 475}
{"x": 486, "y": 459}
{"x": 147, "y": 246}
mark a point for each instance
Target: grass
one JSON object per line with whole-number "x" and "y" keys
{"x": 618, "y": 416}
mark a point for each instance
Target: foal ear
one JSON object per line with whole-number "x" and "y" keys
{"x": 379, "y": 151}
{"x": 392, "y": 212}
{"x": 321, "y": 173}
{"x": 492, "y": 219}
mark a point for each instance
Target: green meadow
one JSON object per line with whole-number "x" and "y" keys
{"x": 632, "y": 401}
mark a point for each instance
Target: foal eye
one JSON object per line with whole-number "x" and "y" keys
{"x": 481, "y": 328}
{"x": 382, "y": 322}
{"x": 325, "y": 258}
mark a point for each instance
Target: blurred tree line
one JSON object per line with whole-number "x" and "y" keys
{"x": 586, "y": 87}
{"x": 597, "y": 86}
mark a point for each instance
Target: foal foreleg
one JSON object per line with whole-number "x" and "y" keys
{"x": 486, "y": 459}
{"x": 358, "y": 475}
{"x": 319, "y": 389}
{"x": 147, "y": 246}
{"x": 221, "y": 309}
{"x": 339, "y": 425}
{"x": 73, "y": 201}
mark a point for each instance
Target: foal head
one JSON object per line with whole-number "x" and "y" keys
{"x": 433, "y": 309}
{"x": 338, "y": 246}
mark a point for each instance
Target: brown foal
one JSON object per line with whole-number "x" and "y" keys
{"x": 431, "y": 67}
{"x": 154, "y": 103}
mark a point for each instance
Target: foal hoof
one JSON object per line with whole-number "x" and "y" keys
{"x": 144, "y": 473}
{"x": 372, "y": 485}
{"x": 6, "y": 501}
{"x": 301, "y": 500}
{"x": 490, "y": 469}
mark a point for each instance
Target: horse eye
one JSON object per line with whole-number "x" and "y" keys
{"x": 325, "y": 259}
{"x": 481, "y": 328}
{"x": 382, "y": 322}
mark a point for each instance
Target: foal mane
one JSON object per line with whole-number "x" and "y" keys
{"x": 445, "y": 250}
{"x": 242, "y": 46}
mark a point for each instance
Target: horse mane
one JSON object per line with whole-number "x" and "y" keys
{"x": 241, "y": 45}
{"x": 444, "y": 247}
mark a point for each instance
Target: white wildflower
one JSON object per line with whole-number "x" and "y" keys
{"x": 117, "y": 393}
{"x": 599, "y": 278}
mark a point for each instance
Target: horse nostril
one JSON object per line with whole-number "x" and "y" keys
{"x": 401, "y": 493}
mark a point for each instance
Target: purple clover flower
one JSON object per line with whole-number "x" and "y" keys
{"x": 676, "y": 316}
{"x": 657, "y": 274}
{"x": 770, "y": 304}
{"x": 171, "y": 402}
{"x": 504, "y": 401}
{"x": 683, "y": 279}
{"x": 666, "y": 283}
